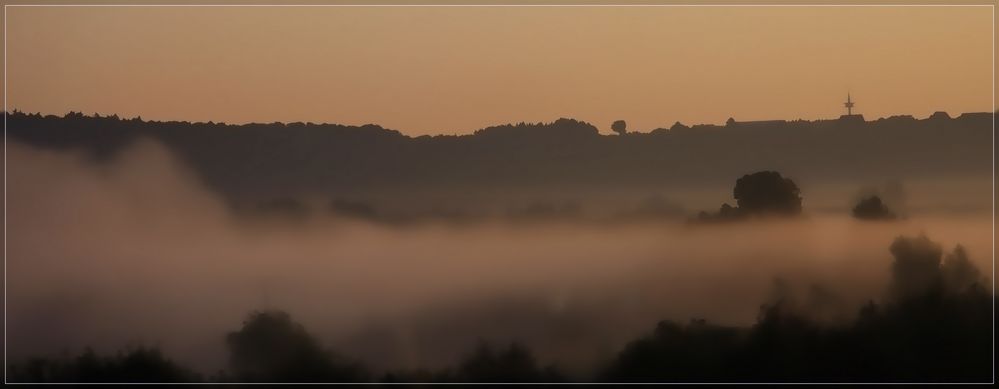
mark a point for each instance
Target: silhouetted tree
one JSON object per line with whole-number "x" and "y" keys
{"x": 959, "y": 274}
{"x": 916, "y": 269}
{"x": 728, "y": 212}
{"x": 696, "y": 352}
{"x": 515, "y": 363}
{"x": 767, "y": 192}
{"x": 620, "y": 127}
{"x": 872, "y": 208}
{"x": 761, "y": 193}
{"x": 272, "y": 348}
{"x": 936, "y": 331}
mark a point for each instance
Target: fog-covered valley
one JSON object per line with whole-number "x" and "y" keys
{"x": 138, "y": 251}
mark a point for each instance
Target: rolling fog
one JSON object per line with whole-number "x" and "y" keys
{"x": 138, "y": 251}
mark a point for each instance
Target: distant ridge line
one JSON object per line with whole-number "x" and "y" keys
{"x": 372, "y": 126}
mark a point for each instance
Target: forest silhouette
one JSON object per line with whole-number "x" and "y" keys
{"x": 270, "y": 167}
{"x": 380, "y": 175}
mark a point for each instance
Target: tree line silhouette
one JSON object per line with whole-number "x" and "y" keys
{"x": 934, "y": 325}
{"x": 261, "y": 162}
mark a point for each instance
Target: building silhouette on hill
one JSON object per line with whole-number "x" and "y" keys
{"x": 850, "y": 117}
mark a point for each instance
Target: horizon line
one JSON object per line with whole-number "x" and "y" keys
{"x": 725, "y": 124}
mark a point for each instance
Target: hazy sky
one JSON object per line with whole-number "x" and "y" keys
{"x": 454, "y": 70}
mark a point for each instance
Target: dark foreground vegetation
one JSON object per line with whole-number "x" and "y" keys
{"x": 933, "y": 324}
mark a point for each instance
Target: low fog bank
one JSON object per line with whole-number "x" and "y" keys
{"x": 139, "y": 252}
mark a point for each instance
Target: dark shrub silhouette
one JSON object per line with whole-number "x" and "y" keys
{"x": 677, "y": 353}
{"x": 918, "y": 269}
{"x": 767, "y": 192}
{"x": 136, "y": 365}
{"x": 272, "y": 348}
{"x": 728, "y": 212}
{"x": 487, "y": 364}
{"x": 620, "y": 127}
{"x": 934, "y": 327}
{"x": 760, "y": 193}
{"x": 872, "y": 208}
{"x": 959, "y": 274}
{"x": 515, "y": 363}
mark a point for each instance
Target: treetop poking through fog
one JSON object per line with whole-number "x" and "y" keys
{"x": 767, "y": 192}
{"x": 764, "y": 193}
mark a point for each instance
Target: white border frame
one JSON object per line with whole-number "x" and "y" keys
{"x": 990, "y": 6}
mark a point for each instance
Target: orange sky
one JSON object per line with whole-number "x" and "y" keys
{"x": 457, "y": 69}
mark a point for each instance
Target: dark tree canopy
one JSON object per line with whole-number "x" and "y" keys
{"x": 760, "y": 193}
{"x": 872, "y": 208}
{"x": 142, "y": 364}
{"x": 920, "y": 268}
{"x": 931, "y": 330}
{"x": 515, "y": 363}
{"x": 620, "y": 127}
{"x": 767, "y": 192}
{"x": 272, "y": 348}
{"x": 916, "y": 268}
